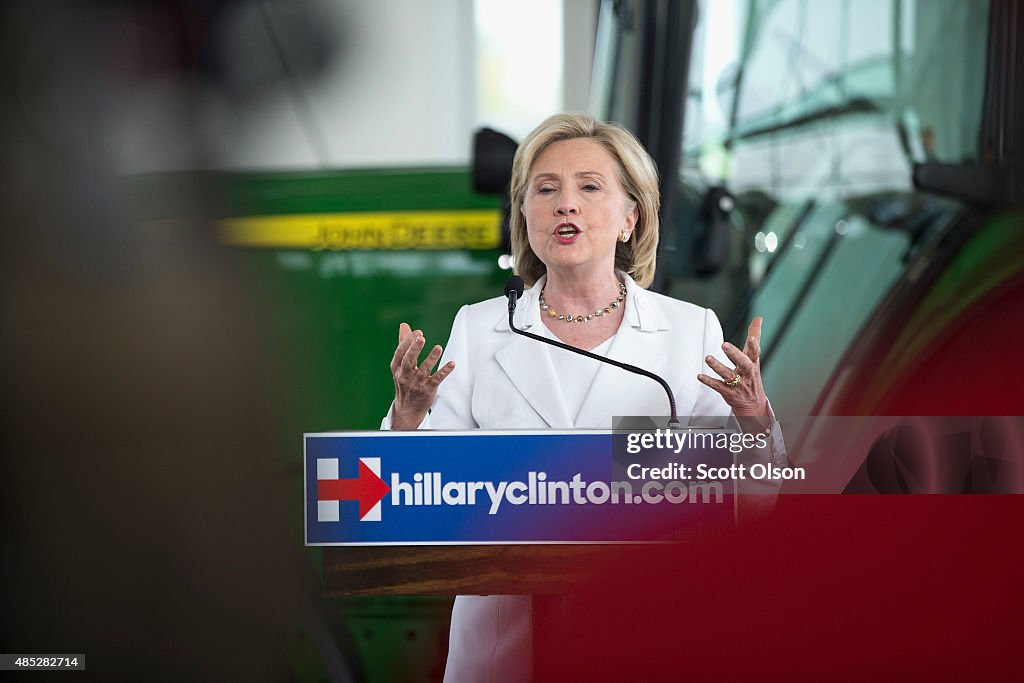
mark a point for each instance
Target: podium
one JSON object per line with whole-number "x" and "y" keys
{"x": 479, "y": 513}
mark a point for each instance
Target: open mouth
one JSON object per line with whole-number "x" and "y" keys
{"x": 566, "y": 231}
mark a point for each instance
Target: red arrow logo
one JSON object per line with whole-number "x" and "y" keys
{"x": 368, "y": 489}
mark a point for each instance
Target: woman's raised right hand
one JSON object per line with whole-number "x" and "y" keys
{"x": 415, "y": 387}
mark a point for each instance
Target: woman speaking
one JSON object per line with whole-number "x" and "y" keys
{"x": 584, "y": 222}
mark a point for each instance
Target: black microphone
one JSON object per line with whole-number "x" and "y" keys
{"x": 514, "y": 286}
{"x": 514, "y": 290}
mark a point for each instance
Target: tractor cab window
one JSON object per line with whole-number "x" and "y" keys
{"x": 802, "y": 124}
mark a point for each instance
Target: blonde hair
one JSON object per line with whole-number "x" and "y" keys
{"x": 637, "y": 175}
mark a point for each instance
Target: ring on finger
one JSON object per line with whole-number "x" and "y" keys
{"x": 737, "y": 377}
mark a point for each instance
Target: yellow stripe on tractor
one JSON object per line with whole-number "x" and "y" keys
{"x": 476, "y": 229}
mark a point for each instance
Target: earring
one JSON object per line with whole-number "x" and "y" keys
{"x": 625, "y": 236}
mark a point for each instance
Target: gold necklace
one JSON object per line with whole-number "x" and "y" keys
{"x": 584, "y": 318}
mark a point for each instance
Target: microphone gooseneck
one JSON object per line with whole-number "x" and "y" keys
{"x": 514, "y": 291}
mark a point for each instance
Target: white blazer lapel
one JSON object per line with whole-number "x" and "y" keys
{"x": 528, "y": 364}
{"x": 640, "y": 341}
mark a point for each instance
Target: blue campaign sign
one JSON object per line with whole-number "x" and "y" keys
{"x": 408, "y": 488}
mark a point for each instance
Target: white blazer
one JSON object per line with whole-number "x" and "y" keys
{"x": 503, "y": 380}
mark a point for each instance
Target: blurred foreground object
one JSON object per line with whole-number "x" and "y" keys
{"x": 144, "y": 526}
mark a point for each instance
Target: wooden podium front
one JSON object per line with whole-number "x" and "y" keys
{"x": 469, "y": 569}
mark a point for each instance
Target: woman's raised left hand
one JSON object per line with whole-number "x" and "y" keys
{"x": 741, "y": 386}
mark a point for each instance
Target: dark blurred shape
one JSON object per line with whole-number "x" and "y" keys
{"x": 492, "y": 161}
{"x": 143, "y": 512}
{"x": 712, "y": 247}
{"x": 979, "y": 185}
{"x": 493, "y": 153}
{"x": 989, "y": 464}
{"x": 255, "y": 45}
{"x": 944, "y": 455}
{"x": 909, "y": 212}
{"x": 142, "y": 85}
{"x": 899, "y": 460}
